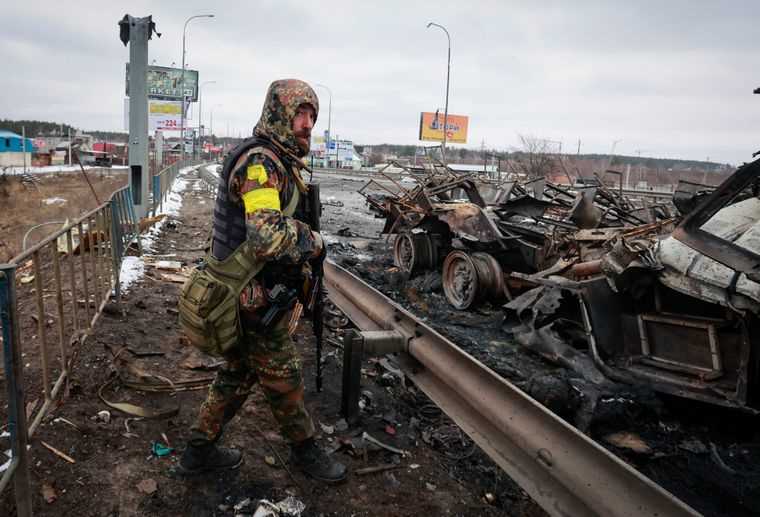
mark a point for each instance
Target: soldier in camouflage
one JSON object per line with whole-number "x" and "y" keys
{"x": 255, "y": 203}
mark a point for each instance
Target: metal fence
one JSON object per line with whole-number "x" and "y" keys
{"x": 50, "y": 297}
{"x": 163, "y": 181}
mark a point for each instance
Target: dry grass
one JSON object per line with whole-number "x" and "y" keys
{"x": 22, "y": 206}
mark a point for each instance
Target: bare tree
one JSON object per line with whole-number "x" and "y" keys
{"x": 535, "y": 158}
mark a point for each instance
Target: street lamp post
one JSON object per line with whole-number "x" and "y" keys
{"x": 182, "y": 83}
{"x": 448, "y": 74}
{"x": 329, "y": 116}
{"x": 200, "y": 111}
{"x": 211, "y": 124}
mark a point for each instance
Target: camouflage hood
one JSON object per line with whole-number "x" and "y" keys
{"x": 280, "y": 106}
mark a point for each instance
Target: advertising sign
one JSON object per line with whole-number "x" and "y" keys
{"x": 165, "y": 83}
{"x": 431, "y": 127}
{"x": 164, "y": 115}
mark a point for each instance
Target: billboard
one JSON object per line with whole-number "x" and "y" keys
{"x": 165, "y": 83}
{"x": 164, "y": 115}
{"x": 431, "y": 127}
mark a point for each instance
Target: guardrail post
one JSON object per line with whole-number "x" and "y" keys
{"x": 353, "y": 350}
{"x": 17, "y": 425}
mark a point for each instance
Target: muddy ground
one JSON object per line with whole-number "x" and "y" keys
{"x": 705, "y": 456}
{"x": 50, "y": 197}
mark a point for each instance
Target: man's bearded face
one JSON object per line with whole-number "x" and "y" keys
{"x": 303, "y": 123}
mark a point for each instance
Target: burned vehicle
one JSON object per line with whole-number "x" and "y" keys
{"x": 694, "y": 331}
{"x": 677, "y": 311}
{"x": 480, "y": 230}
{"x": 664, "y": 295}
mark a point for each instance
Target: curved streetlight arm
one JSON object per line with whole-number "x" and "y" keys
{"x": 182, "y": 82}
{"x": 448, "y": 75}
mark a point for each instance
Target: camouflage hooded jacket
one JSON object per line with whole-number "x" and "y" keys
{"x": 263, "y": 180}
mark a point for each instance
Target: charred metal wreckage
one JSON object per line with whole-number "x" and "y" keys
{"x": 663, "y": 294}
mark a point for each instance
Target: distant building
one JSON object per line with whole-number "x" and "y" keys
{"x": 339, "y": 154}
{"x": 14, "y": 150}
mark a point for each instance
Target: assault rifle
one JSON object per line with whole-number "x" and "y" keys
{"x": 312, "y": 214}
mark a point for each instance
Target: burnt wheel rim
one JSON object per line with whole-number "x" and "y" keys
{"x": 460, "y": 280}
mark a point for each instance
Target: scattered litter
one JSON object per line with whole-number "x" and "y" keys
{"x": 48, "y": 492}
{"x": 57, "y": 452}
{"x": 270, "y": 460}
{"x": 489, "y": 498}
{"x": 103, "y": 416}
{"x": 382, "y": 445}
{"x": 430, "y": 486}
{"x": 160, "y": 450}
{"x": 389, "y": 429}
{"x": 58, "y": 201}
{"x": 27, "y": 279}
{"x": 242, "y": 504}
{"x": 414, "y": 466}
{"x": 69, "y": 422}
{"x": 173, "y": 265}
{"x": 626, "y": 440}
{"x": 174, "y": 278}
{"x": 147, "y": 486}
{"x": 327, "y": 429}
{"x": 129, "y": 433}
{"x": 377, "y": 468}
{"x": 288, "y": 507}
{"x": 693, "y": 445}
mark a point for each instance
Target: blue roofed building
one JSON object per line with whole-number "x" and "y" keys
{"x": 13, "y": 151}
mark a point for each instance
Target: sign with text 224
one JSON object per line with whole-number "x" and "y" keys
{"x": 431, "y": 127}
{"x": 164, "y": 115}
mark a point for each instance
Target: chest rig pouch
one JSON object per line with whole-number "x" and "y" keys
{"x": 209, "y": 308}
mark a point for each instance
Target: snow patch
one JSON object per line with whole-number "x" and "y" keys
{"x": 132, "y": 270}
{"x": 54, "y": 201}
{"x": 171, "y": 207}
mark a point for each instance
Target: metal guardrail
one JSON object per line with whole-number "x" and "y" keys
{"x": 163, "y": 181}
{"x": 60, "y": 286}
{"x": 563, "y": 470}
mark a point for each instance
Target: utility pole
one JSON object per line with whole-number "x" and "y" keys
{"x": 137, "y": 32}
{"x": 69, "y": 129}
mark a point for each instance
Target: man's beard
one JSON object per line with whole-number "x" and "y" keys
{"x": 304, "y": 144}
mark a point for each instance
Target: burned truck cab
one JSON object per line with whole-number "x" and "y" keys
{"x": 687, "y": 305}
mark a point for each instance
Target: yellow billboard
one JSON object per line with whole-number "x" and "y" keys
{"x": 431, "y": 127}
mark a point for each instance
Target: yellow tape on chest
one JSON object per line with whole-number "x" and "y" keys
{"x": 257, "y": 173}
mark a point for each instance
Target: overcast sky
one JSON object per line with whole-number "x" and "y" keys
{"x": 671, "y": 79}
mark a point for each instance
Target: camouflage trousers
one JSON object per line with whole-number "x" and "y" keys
{"x": 270, "y": 359}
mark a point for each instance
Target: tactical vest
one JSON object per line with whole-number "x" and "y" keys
{"x": 229, "y": 230}
{"x": 209, "y": 308}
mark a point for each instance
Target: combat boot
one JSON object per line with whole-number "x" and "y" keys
{"x": 314, "y": 462}
{"x": 207, "y": 457}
